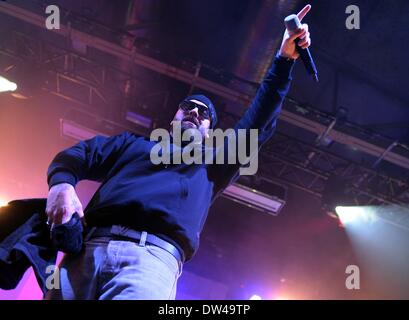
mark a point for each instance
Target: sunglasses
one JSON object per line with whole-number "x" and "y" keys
{"x": 204, "y": 111}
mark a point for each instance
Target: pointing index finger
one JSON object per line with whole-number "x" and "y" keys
{"x": 304, "y": 12}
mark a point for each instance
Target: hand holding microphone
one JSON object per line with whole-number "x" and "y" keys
{"x": 297, "y": 39}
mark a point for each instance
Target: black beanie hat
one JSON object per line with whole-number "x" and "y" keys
{"x": 208, "y": 103}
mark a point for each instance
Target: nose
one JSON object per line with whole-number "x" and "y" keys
{"x": 194, "y": 111}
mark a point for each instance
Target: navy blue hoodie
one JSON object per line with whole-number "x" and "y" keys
{"x": 169, "y": 201}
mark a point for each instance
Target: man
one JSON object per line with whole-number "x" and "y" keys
{"x": 146, "y": 219}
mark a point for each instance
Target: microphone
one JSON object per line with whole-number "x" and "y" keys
{"x": 292, "y": 23}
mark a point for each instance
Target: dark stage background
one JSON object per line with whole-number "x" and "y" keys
{"x": 302, "y": 253}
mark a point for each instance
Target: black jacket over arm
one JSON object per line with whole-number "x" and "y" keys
{"x": 26, "y": 241}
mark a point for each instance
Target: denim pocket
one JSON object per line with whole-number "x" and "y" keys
{"x": 164, "y": 256}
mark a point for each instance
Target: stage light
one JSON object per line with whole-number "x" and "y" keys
{"x": 29, "y": 77}
{"x": 350, "y": 215}
{"x": 345, "y": 214}
{"x": 337, "y": 193}
{"x": 3, "y": 202}
{"x": 261, "y": 195}
{"x": 255, "y": 297}
{"x": 6, "y": 85}
{"x": 339, "y": 202}
{"x": 254, "y": 199}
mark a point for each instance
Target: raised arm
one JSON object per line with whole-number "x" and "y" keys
{"x": 266, "y": 105}
{"x": 265, "y": 108}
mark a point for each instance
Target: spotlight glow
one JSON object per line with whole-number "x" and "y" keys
{"x": 3, "y": 202}
{"x": 255, "y": 297}
{"x": 6, "y": 85}
{"x": 349, "y": 215}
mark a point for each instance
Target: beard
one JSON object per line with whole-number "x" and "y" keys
{"x": 192, "y": 130}
{"x": 185, "y": 125}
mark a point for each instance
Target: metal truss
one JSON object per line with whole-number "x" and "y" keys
{"x": 308, "y": 119}
{"x": 67, "y": 71}
{"x": 307, "y": 167}
{"x": 293, "y": 162}
{"x": 94, "y": 89}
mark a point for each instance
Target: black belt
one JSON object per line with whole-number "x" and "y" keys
{"x": 121, "y": 231}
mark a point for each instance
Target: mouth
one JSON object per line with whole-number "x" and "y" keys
{"x": 191, "y": 121}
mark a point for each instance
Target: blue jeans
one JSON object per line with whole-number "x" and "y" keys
{"x": 110, "y": 269}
